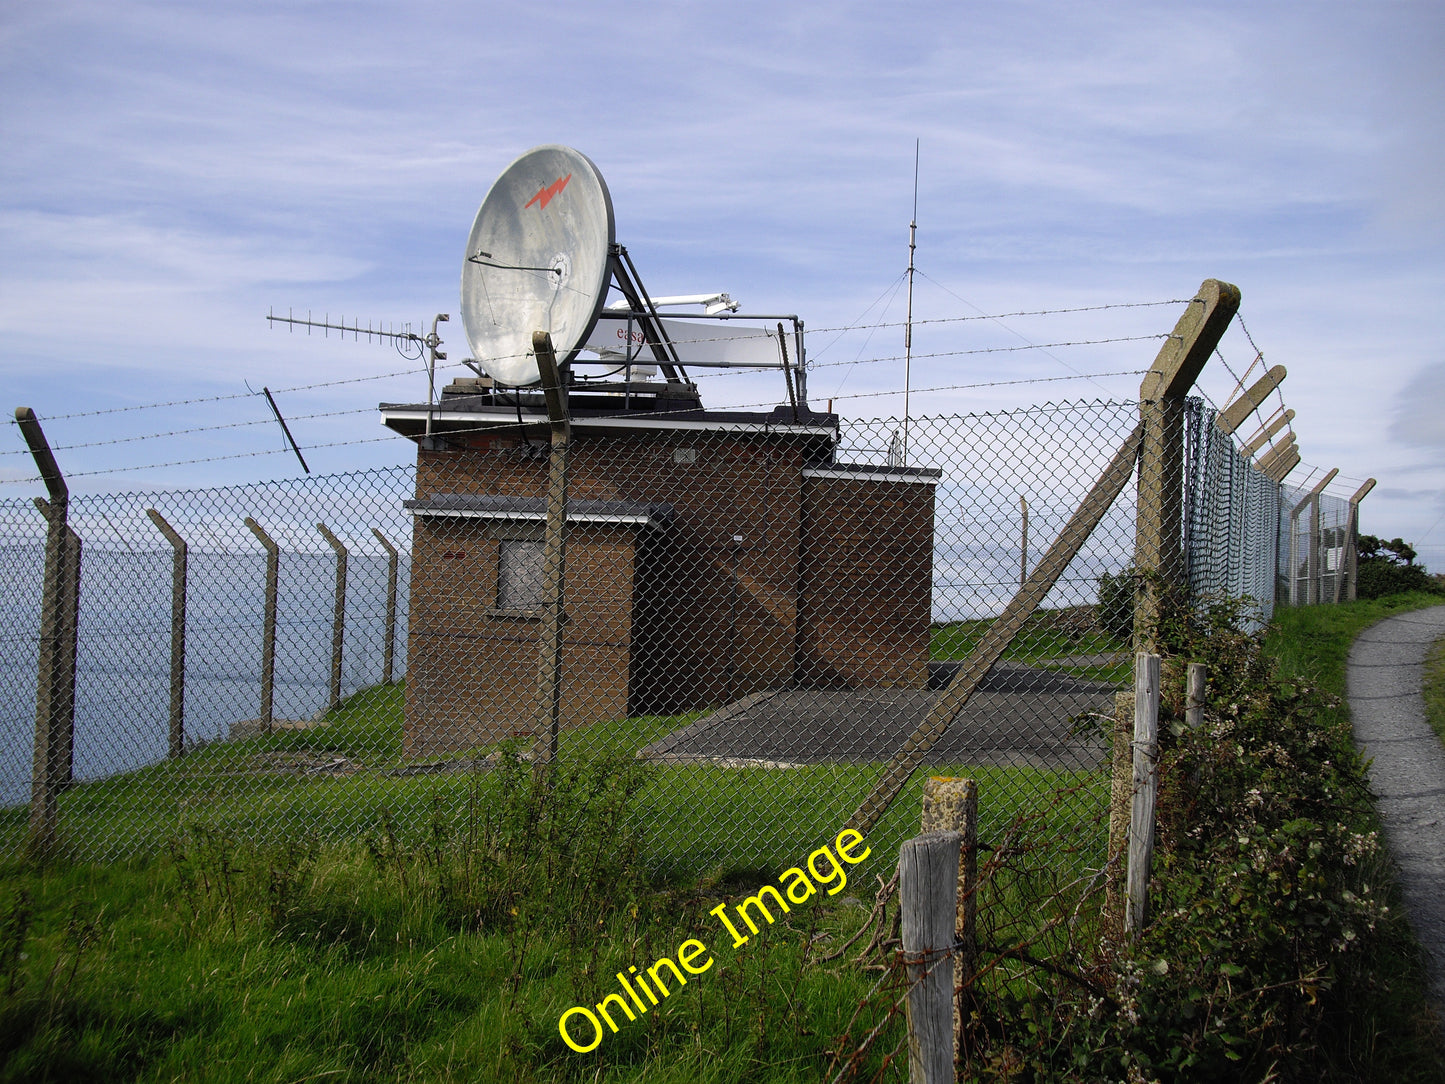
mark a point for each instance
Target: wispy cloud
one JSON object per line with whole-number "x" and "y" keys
{"x": 173, "y": 169}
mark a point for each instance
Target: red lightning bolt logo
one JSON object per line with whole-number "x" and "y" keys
{"x": 544, "y": 195}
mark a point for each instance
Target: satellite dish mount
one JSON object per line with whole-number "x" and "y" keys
{"x": 543, "y": 255}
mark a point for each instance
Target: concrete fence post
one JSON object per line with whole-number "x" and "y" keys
{"x": 554, "y": 557}
{"x": 1349, "y": 559}
{"x": 1158, "y": 542}
{"x": 951, "y": 805}
{"x": 176, "y": 743}
{"x": 69, "y": 646}
{"x": 1299, "y": 592}
{"x": 51, "y": 763}
{"x": 268, "y": 623}
{"x": 338, "y": 615}
{"x": 388, "y": 650}
{"x": 927, "y": 895}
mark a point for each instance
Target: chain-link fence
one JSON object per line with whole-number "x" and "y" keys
{"x": 762, "y": 612}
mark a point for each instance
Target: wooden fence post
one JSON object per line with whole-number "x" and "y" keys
{"x": 338, "y": 614}
{"x": 176, "y": 745}
{"x": 268, "y": 623}
{"x": 951, "y": 805}
{"x": 1121, "y": 786}
{"x": 1195, "y": 694}
{"x": 927, "y": 895}
{"x": 1158, "y": 541}
{"x": 1141, "y": 809}
{"x": 388, "y": 651}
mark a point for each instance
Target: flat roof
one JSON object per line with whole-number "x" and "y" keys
{"x": 875, "y": 472}
{"x": 464, "y": 414}
{"x": 534, "y": 509}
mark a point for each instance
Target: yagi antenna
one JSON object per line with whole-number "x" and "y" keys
{"x": 408, "y": 344}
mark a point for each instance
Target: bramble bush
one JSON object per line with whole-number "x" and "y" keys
{"x": 1266, "y": 903}
{"x": 1267, "y": 884}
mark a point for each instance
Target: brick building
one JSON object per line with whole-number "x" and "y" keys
{"x": 710, "y": 555}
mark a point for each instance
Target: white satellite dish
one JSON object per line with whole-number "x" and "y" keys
{"x": 537, "y": 259}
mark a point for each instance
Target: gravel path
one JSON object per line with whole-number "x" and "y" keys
{"x": 1408, "y": 769}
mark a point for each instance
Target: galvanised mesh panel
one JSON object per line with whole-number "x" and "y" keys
{"x": 1312, "y": 541}
{"x": 761, "y": 612}
{"x": 1234, "y": 512}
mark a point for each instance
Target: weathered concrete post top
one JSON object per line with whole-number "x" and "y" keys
{"x": 1158, "y": 545}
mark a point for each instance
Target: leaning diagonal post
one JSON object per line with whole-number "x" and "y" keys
{"x": 989, "y": 650}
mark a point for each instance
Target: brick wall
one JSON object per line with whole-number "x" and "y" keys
{"x": 866, "y": 570}
{"x": 760, "y": 579}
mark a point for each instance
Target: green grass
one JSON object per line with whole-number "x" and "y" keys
{"x": 697, "y": 815}
{"x": 1312, "y": 643}
{"x": 1435, "y": 688}
{"x": 268, "y": 967}
{"x": 1046, "y": 636}
{"x": 132, "y": 972}
{"x": 124, "y": 978}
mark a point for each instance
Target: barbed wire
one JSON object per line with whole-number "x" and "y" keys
{"x": 205, "y": 459}
{"x": 1259, "y": 359}
{"x": 1000, "y": 315}
{"x": 269, "y": 420}
{"x": 229, "y": 396}
{"x": 505, "y": 425}
{"x": 239, "y": 394}
{"x": 993, "y": 350}
{"x": 998, "y": 320}
{"x": 991, "y": 384}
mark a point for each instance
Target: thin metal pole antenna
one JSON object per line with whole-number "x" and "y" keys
{"x": 908, "y": 325}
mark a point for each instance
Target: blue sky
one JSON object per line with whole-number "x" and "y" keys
{"x": 172, "y": 170}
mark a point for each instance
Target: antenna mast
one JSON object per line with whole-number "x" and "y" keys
{"x": 908, "y": 325}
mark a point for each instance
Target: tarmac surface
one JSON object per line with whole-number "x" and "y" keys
{"x": 1020, "y": 716}
{"x": 1408, "y": 767}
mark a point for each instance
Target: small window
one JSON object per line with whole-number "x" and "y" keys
{"x": 520, "y": 579}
